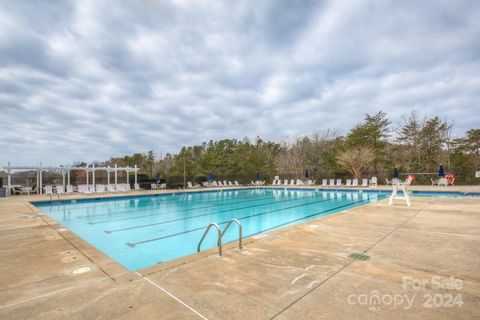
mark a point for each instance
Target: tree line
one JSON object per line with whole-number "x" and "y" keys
{"x": 371, "y": 148}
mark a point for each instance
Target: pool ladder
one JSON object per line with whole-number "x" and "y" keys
{"x": 221, "y": 233}
{"x": 58, "y": 196}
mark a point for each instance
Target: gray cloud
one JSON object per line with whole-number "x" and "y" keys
{"x": 86, "y": 80}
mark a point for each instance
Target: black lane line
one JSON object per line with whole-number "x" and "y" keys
{"x": 242, "y": 218}
{"x": 163, "y": 203}
{"x": 179, "y": 199}
{"x": 309, "y": 216}
{"x": 175, "y": 211}
{"x": 200, "y": 215}
{"x": 154, "y": 206}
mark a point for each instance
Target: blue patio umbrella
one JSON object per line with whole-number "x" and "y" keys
{"x": 210, "y": 176}
{"x": 307, "y": 175}
{"x": 395, "y": 173}
{"x": 258, "y": 177}
{"x": 441, "y": 172}
{"x": 158, "y": 178}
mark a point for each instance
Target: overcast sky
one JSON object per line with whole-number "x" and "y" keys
{"x": 87, "y": 80}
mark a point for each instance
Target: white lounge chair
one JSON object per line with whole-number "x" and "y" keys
{"x": 128, "y": 187}
{"x": 192, "y": 186}
{"x": 83, "y": 188}
{"x": 364, "y": 183}
{"x": 339, "y": 183}
{"x": 136, "y": 187}
{"x": 442, "y": 182}
{"x": 59, "y": 189}
{"x": 48, "y": 189}
{"x": 230, "y": 183}
{"x": 111, "y": 188}
{"x": 220, "y": 184}
{"x": 100, "y": 188}
{"x": 348, "y": 183}
{"x": 285, "y": 182}
{"x": 331, "y": 183}
{"x": 163, "y": 186}
{"x": 354, "y": 182}
{"x": 69, "y": 188}
{"x": 373, "y": 182}
{"x": 225, "y": 183}
{"x": 236, "y": 183}
{"x": 324, "y": 183}
{"x": 91, "y": 188}
{"x": 153, "y": 186}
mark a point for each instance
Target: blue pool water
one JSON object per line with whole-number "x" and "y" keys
{"x": 140, "y": 231}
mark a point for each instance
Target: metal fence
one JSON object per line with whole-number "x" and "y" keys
{"x": 29, "y": 179}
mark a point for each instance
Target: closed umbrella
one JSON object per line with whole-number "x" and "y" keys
{"x": 210, "y": 176}
{"x": 258, "y": 177}
{"x": 307, "y": 175}
{"x": 441, "y": 172}
{"x": 158, "y": 178}
{"x": 395, "y": 173}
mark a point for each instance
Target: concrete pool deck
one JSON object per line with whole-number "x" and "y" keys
{"x": 299, "y": 272}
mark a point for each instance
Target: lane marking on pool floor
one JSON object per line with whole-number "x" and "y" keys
{"x": 255, "y": 199}
{"x": 172, "y": 296}
{"x": 210, "y": 214}
{"x": 156, "y": 205}
{"x": 133, "y": 244}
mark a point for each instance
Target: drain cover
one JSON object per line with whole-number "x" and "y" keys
{"x": 81, "y": 270}
{"x": 358, "y": 256}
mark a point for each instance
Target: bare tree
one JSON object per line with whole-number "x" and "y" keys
{"x": 357, "y": 161}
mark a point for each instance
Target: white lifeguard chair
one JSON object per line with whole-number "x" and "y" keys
{"x": 403, "y": 186}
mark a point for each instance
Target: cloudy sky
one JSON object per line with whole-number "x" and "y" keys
{"x": 87, "y": 80}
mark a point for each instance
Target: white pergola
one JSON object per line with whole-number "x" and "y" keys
{"x": 65, "y": 171}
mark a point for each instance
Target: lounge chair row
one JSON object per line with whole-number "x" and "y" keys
{"x": 158, "y": 186}
{"x": 298, "y": 182}
{"x": 90, "y": 188}
{"x": 350, "y": 183}
{"x": 214, "y": 183}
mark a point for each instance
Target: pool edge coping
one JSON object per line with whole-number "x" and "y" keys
{"x": 118, "y": 273}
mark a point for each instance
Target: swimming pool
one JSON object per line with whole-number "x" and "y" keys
{"x": 140, "y": 231}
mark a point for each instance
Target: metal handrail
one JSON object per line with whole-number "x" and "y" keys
{"x": 239, "y": 231}
{"x": 219, "y": 241}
